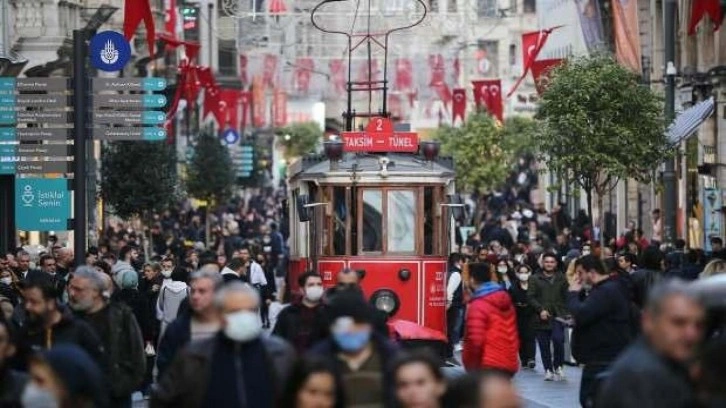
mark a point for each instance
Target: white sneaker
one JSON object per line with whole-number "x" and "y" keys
{"x": 549, "y": 376}
{"x": 459, "y": 347}
{"x": 560, "y": 374}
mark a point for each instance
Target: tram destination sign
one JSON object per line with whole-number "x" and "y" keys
{"x": 380, "y": 137}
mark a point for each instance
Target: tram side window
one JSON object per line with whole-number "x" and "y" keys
{"x": 372, "y": 234}
{"x": 429, "y": 217}
{"x": 401, "y": 221}
{"x": 340, "y": 216}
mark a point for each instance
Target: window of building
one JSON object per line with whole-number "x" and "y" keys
{"x": 433, "y": 5}
{"x": 451, "y": 6}
{"x": 512, "y": 54}
{"x": 530, "y": 6}
{"x": 486, "y": 8}
{"x": 227, "y": 58}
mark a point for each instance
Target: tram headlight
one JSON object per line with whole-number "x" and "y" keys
{"x": 386, "y": 301}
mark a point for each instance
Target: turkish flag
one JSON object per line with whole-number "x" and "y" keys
{"x": 212, "y": 103}
{"x": 134, "y": 12}
{"x": 259, "y": 102}
{"x": 443, "y": 92}
{"x": 438, "y": 70}
{"x": 337, "y": 75}
{"x": 245, "y": 98}
{"x": 170, "y": 17}
{"x": 206, "y": 78}
{"x": 541, "y": 70}
{"x": 458, "y": 108}
{"x": 191, "y": 49}
{"x": 279, "y": 108}
{"x": 171, "y": 41}
{"x": 532, "y": 44}
{"x": 269, "y": 70}
{"x": 702, "y": 8}
{"x": 404, "y": 74}
{"x": 231, "y": 98}
{"x": 190, "y": 83}
{"x": 456, "y": 65}
{"x": 243, "y": 61}
{"x": 303, "y": 72}
{"x": 488, "y": 92}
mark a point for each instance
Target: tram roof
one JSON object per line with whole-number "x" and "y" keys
{"x": 401, "y": 164}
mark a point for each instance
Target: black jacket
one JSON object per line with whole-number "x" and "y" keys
{"x": 12, "y": 384}
{"x": 302, "y": 335}
{"x": 641, "y": 378}
{"x": 602, "y": 323}
{"x": 643, "y": 281}
{"x": 548, "y": 294}
{"x": 176, "y": 336}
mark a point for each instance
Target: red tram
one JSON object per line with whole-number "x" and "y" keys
{"x": 386, "y": 215}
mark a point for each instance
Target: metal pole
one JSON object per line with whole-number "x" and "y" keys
{"x": 79, "y": 147}
{"x": 670, "y": 195}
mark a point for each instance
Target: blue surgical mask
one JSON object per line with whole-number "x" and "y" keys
{"x": 351, "y": 342}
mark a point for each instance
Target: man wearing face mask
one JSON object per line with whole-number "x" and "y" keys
{"x": 602, "y": 322}
{"x": 348, "y": 281}
{"x": 49, "y": 323}
{"x": 119, "y": 332}
{"x": 304, "y": 323}
{"x": 235, "y": 368}
{"x": 360, "y": 354}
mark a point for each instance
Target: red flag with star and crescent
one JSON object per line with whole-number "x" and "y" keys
{"x": 458, "y": 107}
{"x": 701, "y": 9}
{"x": 488, "y": 92}
{"x": 541, "y": 70}
{"x": 136, "y": 11}
{"x": 532, "y": 44}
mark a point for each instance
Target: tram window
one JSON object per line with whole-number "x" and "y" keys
{"x": 429, "y": 217}
{"x": 401, "y": 221}
{"x": 372, "y": 221}
{"x": 340, "y": 217}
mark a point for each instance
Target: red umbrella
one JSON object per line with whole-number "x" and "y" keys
{"x": 405, "y": 330}
{"x": 277, "y": 7}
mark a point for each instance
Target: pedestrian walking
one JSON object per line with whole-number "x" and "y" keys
{"x": 304, "y": 323}
{"x": 654, "y": 371}
{"x": 525, "y": 317}
{"x": 650, "y": 273}
{"x": 490, "y": 339}
{"x": 119, "y": 332}
{"x": 237, "y": 367}
{"x": 313, "y": 383}
{"x": 454, "y": 304}
{"x": 547, "y": 293}
{"x": 602, "y": 322}
{"x": 174, "y": 291}
{"x": 12, "y": 382}
{"x": 483, "y": 389}
{"x": 419, "y": 381}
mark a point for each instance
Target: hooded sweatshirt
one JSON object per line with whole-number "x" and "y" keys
{"x": 491, "y": 339}
{"x": 171, "y": 296}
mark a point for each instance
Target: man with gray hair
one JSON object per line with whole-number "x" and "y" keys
{"x": 653, "y": 372}
{"x": 238, "y": 367}
{"x": 200, "y": 321}
{"x": 116, "y": 325}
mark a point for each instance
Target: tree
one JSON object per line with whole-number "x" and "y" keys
{"x": 303, "y": 138}
{"x": 600, "y": 125}
{"x": 210, "y": 175}
{"x": 483, "y": 159}
{"x": 138, "y": 179}
{"x": 519, "y": 133}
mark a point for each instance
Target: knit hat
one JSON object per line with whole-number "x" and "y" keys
{"x": 77, "y": 370}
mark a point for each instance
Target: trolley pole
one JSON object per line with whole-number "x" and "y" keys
{"x": 670, "y": 195}
{"x": 79, "y": 147}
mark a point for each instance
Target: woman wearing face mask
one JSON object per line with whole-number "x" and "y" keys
{"x": 525, "y": 317}
{"x": 503, "y": 273}
{"x": 419, "y": 381}
{"x": 9, "y": 286}
{"x": 64, "y": 377}
{"x": 313, "y": 383}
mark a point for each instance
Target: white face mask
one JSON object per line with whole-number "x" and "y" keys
{"x": 8, "y": 280}
{"x": 524, "y": 277}
{"x": 166, "y": 273}
{"x": 314, "y": 293}
{"x": 243, "y": 326}
{"x": 502, "y": 269}
{"x": 36, "y": 397}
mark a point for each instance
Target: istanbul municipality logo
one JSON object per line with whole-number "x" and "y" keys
{"x": 28, "y": 197}
{"x": 109, "y": 51}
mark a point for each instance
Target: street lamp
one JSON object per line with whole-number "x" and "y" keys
{"x": 670, "y": 194}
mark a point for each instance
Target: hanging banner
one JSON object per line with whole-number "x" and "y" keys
{"x": 488, "y": 92}
{"x": 588, "y": 12}
{"x": 337, "y": 76}
{"x": 259, "y": 103}
{"x": 701, "y": 9}
{"x": 540, "y": 72}
{"x": 245, "y": 99}
{"x": 279, "y": 108}
{"x": 404, "y": 75}
{"x": 303, "y": 71}
{"x": 269, "y": 73}
{"x": 395, "y": 106}
{"x": 231, "y": 99}
{"x": 458, "y": 107}
{"x": 532, "y": 43}
{"x": 211, "y": 103}
{"x": 456, "y": 70}
{"x": 627, "y": 34}
{"x": 437, "y": 70}
{"x": 191, "y": 49}
{"x": 170, "y": 17}
{"x": 134, "y": 12}
{"x": 243, "y": 62}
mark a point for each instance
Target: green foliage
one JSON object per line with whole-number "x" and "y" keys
{"x": 210, "y": 175}
{"x": 479, "y": 151}
{"x": 519, "y": 135}
{"x": 304, "y": 137}
{"x": 598, "y": 125}
{"x": 138, "y": 178}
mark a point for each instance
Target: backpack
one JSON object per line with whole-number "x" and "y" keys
{"x": 170, "y": 302}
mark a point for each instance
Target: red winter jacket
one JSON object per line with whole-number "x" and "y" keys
{"x": 491, "y": 339}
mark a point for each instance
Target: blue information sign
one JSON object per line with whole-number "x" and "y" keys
{"x": 109, "y": 51}
{"x": 230, "y": 136}
{"x": 42, "y": 204}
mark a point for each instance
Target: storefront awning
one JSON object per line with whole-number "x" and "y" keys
{"x": 689, "y": 120}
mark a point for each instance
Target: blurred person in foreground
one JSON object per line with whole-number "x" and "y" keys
{"x": 709, "y": 373}
{"x": 313, "y": 383}
{"x": 361, "y": 355}
{"x": 12, "y": 382}
{"x": 602, "y": 322}
{"x": 304, "y": 322}
{"x": 64, "y": 377}
{"x": 490, "y": 339}
{"x": 653, "y": 372}
{"x": 482, "y": 389}
{"x": 237, "y": 367}
{"x": 419, "y": 381}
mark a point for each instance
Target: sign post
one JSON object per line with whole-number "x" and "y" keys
{"x": 380, "y": 137}
{"x": 79, "y": 147}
